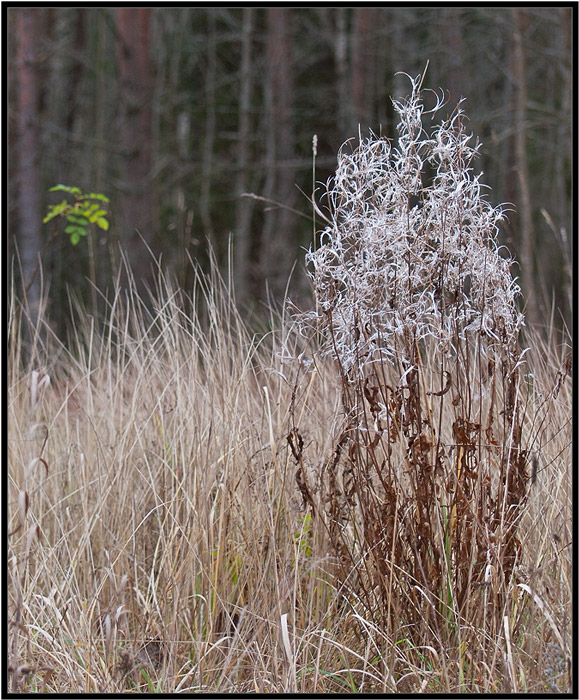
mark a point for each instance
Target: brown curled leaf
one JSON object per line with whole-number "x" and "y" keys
{"x": 446, "y": 388}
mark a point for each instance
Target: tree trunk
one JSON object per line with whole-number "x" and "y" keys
{"x": 526, "y": 233}
{"x": 135, "y": 78}
{"x": 278, "y": 248}
{"x": 361, "y": 71}
{"x": 27, "y": 153}
{"x": 451, "y": 39}
{"x": 208, "y": 144}
{"x": 341, "y": 60}
{"x": 563, "y": 157}
{"x": 243, "y": 205}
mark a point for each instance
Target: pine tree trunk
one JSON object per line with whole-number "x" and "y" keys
{"x": 27, "y": 152}
{"x": 243, "y": 205}
{"x": 362, "y": 65}
{"x": 344, "y": 111}
{"x": 135, "y": 78}
{"x": 278, "y": 248}
{"x": 210, "y": 125}
{"x": 526, "y": 233}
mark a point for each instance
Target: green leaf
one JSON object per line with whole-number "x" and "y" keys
{"x": 65, "y": 188}
{"x": 96, "y": 195}
{"x": 50, "y": 216}
{"x": 80, "y": 220}
{"x": 74, "y": 238}
{"x": 102, "y": 223}
{"x": 96, "y": 215}
{"x": 56, "y": 210}
{"x": 72, "y": 229}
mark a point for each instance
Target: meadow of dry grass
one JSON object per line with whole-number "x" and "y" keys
{"x": 169, "y": 490}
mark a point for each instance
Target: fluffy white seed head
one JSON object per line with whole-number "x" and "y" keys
{"x": 411, "y": 250}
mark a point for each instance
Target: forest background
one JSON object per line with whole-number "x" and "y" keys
{"x": 177, "y": 113}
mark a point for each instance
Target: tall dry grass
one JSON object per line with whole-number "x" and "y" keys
{"x": 161, "y": 536}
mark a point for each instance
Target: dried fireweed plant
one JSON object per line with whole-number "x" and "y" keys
{"x": 424, "y": 492}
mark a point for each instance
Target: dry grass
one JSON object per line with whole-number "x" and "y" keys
{"x": 160, "y": 466}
